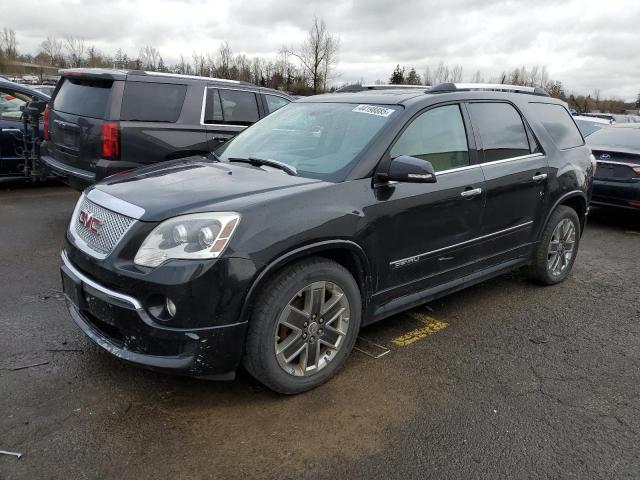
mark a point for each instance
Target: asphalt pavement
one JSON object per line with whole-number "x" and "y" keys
{"x": 506, "y": 379}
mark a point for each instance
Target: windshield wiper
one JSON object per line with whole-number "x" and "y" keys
{"x": 257, "y": 162}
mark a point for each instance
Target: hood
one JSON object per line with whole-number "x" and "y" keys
{"x": 198, "y": 185}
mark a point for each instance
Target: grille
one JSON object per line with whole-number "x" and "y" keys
{"x": 112, "y": 228}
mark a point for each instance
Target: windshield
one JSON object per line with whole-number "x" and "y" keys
{"x": 320, "y": 140}
{"x": 616, "y": 137}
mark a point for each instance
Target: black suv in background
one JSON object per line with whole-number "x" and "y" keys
{"x": 103, "y": 121}
{"x": 332, "y": 213}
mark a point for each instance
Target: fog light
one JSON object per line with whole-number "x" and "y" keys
{"x": 171, "y": 307}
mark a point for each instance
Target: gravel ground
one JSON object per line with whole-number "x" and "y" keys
{"x": 517, "y": 381}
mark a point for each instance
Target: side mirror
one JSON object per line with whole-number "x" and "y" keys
{"x": 409, "y": 169}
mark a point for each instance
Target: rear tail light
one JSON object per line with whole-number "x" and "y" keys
{"x": 45, "y": 128}
{"x": 637, "y": 170}
{"x": 110, "y": 141}
{"x": 634, "y": 203}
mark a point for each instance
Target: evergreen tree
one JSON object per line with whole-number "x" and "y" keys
{"x": 397, "y": 77}
{"x": 413, "y": 78}
{"x": 638, "y": 101}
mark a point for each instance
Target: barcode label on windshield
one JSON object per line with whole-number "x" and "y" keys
{"x": 374, "y": 110}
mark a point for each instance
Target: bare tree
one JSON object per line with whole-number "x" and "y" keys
{"x": 8, "y": 43}
{"x": 225, "y": 57}
{"x": 52, "y": 48}
{"x": 456, "y": 74}
{"x": 428, "y": 77}
{"x": 317, "y": 54}
{"x": 150, "y": 57}
{"x": 75, "y": 50}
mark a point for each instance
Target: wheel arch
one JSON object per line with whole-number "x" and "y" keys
{"x": 577, "y": 200}
{"x": 345, "y": 252}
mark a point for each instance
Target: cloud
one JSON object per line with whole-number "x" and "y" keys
{"x": 587, "y": 44}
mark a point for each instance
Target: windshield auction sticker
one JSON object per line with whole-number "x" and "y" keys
{"x": 374, "y": 110}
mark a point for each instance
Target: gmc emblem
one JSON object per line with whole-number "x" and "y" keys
{"x": 90, "y": 222}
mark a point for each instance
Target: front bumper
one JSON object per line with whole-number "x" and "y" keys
{"x": 621, "y": 194}
{"x": 119, "y": 324}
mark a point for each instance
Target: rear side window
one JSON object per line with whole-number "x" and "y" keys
{"x": 275, "y": 102}
{"x": 152, "y": 102}
{"x": 558, "y": 122}
{"x": 83, "y": 97}
{"x": 501, "y": 130}
{"x": 10, "y": 103}
{"x": 233, "y": 107}
{"x": 437, "y": 136}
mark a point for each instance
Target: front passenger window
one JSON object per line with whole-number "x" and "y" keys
{"x": 438, "y": 136}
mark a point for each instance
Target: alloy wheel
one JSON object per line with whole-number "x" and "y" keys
{"x": 312, "y": 328}
{"x": 561, "y": 247}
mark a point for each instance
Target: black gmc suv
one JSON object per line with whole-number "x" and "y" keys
{"x": 103, "y": 121}
{"x": 334, "y": 212}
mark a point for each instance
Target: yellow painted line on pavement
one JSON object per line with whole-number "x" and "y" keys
{"x": 431, "y": 326}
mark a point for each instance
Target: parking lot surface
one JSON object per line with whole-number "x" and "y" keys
{"x": 506, "y": 379}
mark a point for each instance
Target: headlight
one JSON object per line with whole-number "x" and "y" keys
{"x": 195, "y": 236}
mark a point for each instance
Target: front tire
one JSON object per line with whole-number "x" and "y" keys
{"x": 304, "y": 325}
{"x": 555, "y": 254}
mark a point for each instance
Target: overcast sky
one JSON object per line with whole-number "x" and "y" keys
{"x": 586, "y": 44}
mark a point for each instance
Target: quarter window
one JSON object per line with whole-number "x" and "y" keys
{"x": 10, "y": 103}
{"x": 501, "y": 130}
{"x": 274, "y": 102}
{"x": 233, "y": 107}
{"x": 437, "y": 136}
{"x": 152, "y": 102}
{"x": 558, "y": 122}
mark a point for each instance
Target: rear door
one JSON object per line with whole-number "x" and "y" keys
{"x": 426, "y": 231}
{"x": 228, "y": 111}
{"x": 515, "y": 172}
{"x": 79, "y": 109}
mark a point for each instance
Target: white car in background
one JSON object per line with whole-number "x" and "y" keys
{"x": 588, "y": 124}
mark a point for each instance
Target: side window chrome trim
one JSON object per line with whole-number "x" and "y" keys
{"x": 458, "y": 169}
{"x": 521, "y": 157}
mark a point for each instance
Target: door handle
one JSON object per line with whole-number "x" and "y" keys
{"x": 538, "y": 177}
{"x": 11, "y": 130}
{"x": 471, "y": 192}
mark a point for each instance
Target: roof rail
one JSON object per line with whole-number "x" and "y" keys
{"x": 500, "y": 87}
{"x": 180, "y": 75}
{"x": 361, "y": 88}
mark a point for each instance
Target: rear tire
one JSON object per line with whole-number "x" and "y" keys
{"x": 303, "y": 327}
{"x": 558, "y": 247}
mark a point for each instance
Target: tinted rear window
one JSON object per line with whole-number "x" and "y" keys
{"x": 501, "y": 130}
{"x": 152, "y": 102}
{"x": 558, "y": 122}
{"x": 87, "y": 98}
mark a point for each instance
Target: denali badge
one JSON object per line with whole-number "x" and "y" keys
{"x": 90, "y": 221}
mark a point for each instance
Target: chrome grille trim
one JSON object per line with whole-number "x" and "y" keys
{"x": 114, "y": 227}
{"x": 115, "y": 204}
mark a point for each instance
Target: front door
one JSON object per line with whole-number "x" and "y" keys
{"x": 425, "y": 231}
